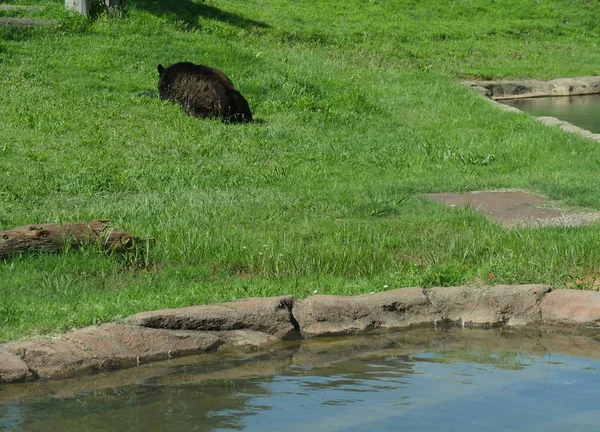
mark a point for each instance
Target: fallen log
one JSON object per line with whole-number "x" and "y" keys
{"x": 55, "y": 237}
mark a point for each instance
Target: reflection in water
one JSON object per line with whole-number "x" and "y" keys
{"x": 582, "y": 111}
{"x": 458, "y": 386}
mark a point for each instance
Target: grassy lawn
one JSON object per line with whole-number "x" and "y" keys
{"x": 359, "y": 112}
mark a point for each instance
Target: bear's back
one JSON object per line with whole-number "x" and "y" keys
{"x": 199, "y": 71}
{"x": 203, "y": 91}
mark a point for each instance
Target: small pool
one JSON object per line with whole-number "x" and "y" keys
{"x": 582, "y": 111}
{"x": 450, "y": 380}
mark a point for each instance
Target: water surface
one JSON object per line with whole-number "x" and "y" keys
{"x": 459, "y": 380}
{"x": 582, "y": 111}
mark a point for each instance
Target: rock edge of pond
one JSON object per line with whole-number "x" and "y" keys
{"x": 259, "y": 322}
{"x": 501, "y": 90}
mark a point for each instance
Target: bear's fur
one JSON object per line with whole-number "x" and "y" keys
{"x": 202, "y": 91}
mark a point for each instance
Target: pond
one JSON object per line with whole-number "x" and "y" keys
{"x": 582, "y": 111}
{"x": 424, "y": 380}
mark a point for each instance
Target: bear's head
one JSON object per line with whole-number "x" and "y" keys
{"x": 164, "y": 88}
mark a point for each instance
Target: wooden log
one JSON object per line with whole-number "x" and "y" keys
{"x": 55, "y": 237}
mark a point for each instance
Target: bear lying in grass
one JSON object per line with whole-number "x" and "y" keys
{"x": 203, "y": 91}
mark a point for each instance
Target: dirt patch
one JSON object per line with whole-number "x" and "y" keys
{"x": 516, "y": 208}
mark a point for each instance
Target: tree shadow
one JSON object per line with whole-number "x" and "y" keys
{"x": 189, "y": 11}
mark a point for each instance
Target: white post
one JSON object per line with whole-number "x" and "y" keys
{"x": 81, "y": 6}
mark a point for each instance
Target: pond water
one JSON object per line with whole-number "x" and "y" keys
{"x": 582, "y": 111}
{"x": 459, "y": 380}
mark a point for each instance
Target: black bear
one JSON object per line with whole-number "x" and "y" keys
{"x": 203, "y": 92}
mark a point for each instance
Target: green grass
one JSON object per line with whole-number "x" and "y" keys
{"x": 359, "y": 113}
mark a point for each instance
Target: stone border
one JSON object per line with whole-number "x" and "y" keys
{"x": 259, "y": 322}
{"x": 519, "y": 89}
{"x": 496, "y": 91}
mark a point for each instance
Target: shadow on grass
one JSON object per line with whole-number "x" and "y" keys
{"x": 189, "y": 11}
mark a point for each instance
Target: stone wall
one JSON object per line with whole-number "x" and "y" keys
{"x": 259, "y": 322}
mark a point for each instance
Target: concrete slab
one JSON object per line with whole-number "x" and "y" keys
{"x": 517, "y": 208}
{"x": 11, "y": 8}
{"x": 26, "y": 22}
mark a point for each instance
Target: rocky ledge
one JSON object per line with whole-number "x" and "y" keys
{"x": 497, "y": 91}
{"x": 258, "y": 322}
{"x": 516, "y": 89}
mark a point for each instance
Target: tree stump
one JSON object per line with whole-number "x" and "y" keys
{"x": 55, "y": 237}
{"x": 80, "y": 6}
{"x": 87, "y": 7}
{"x": 113, "y": 8}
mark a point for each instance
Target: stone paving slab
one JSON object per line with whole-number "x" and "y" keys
{"x": 516, "y": 208}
